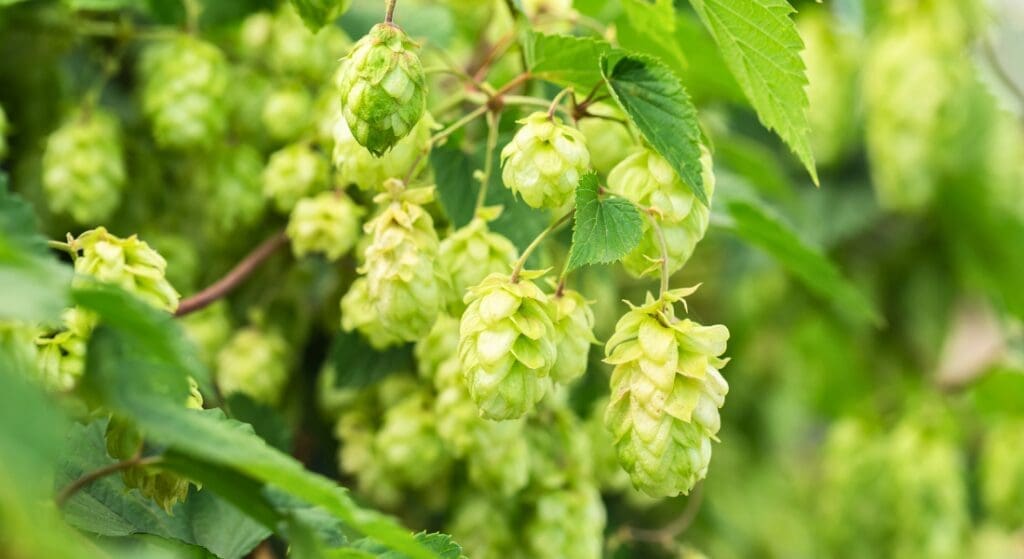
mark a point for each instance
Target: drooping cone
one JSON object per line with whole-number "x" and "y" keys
{"x": 129, "y": 263}
{"x": 255, "y": 363}
{"x": 665, "y": 395}
{"x": 232, "y": 185}
{"x": 647, "y": 179}
{"x": 359, "y": 314}
{"x": 294, "y": 172}
{"x": 83, "y": 166}
{"x": 357, "y": 166}
{"x": 568, "y": 524}
{"x": 507, "y": 345}
{"x": 407, "y": 443}
{"x": 544, "y": 161}
{"x": 327, "y": 223}
{"x": 574, "y": 328}
{"x": 472, "y": 253}
{"x": 383, "y": 88}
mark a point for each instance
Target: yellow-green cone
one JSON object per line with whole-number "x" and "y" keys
{"x": 472, "y": 253}
{"x": 357, "y": 166}
{"x": 294, "y": 172}
{"x": 574, "y": 328}
{"x": 359, "y": 314}
{"x": 83, "y": 167}
{"x": 327, "y": 223}
{"x": 544, "y": 161}
{"x": 255, "y": 363}
{"x": 568, "y": 524}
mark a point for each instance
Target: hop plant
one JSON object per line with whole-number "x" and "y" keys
{"x": 129, "y": 263}
{"x": 383, "y": 88}
{"x": 287, "y": 112}
{"x": 184, "y": 82}
{"x": 294, "y": 172}
{"x": 472, "y": 253}
{"x": 18, "y": 350}
{"x": 255, "y": 363}
{"x": 83, "y": 166}
{"x": 544, "y": 161}
{"x": 327, "y": 223}
{"x": 407, "y": 444}
{"x": 359, "y": 314}
{"x": 647, "y": 179}
{"x": 665, "y": 394}
{"x": 357, "y": 166}
{"x": 402, "y": 279}
{"x": 1002, "y": 473}
{"x": 574, "y": 331}
{"x": 567, "y": 524}
{"x": 232, "y": 186}
{"x": 507, "y": 345}
{"x": 4, "y": 129}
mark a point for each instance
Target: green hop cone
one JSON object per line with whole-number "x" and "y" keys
{"x": 567, "y": 524}
{"x": 383, "y": 88}
{"x": 472, "y": 253}
{"x": 560, "y": 452}
{"x": 665, "y": 395}
{"x": 287, "y": 112}
{"x": 402, "y": 278}
{"x": 183, "y": 92}
{"x": 486, "y": 528}
{"x": 4, "y": 129}
{"x": 407, "y": 443}
{"x": 294, "y": 172}
{"x": 574, "y": 330}
{"x": 255, "y": 363}
{"x": 498, "y": 459}
{"x": 359, "y": 314}
{"x": 357, "y": 166}
{"x": 327, "y": 223}
{"x": 507, "y": 345}
{"x": 647, "y": 179}
{"x": 1002, "y": 473}
{"x": 129, "y": 263}
{"x": 232, "y": 187}
{"x": 544, "y": 161}
{"x": 437, "y": 359}
{"x": 83, "y": 167}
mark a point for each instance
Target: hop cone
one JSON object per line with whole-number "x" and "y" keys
{"x": 4, "y": 126}
{"x": 506, "y": 345}
{"x": 407, "y": 443}
{"x": 574, "y": 331}
{"x": 287, "y": 112}
{"x": 544, "y": 161}
{"x": 327, "y": 223}
{"x": 560, "y": 452}
{"x": 647, "y": 179}
{"x": 255, "y": 363}
{"x": 498, "y": 458}
{"x": 486, "y": 528}
{"x": 437, "y": 359}
{"x": 665, "y": 395}
{"x": 1002, "y": 473}
{"x": 357, "y": 166}
{"x": 294, "y": 172}
{"x": 383, "y": 88}
{"x": 568, "y": 524}
{"x": 472, "y": 253}
{"x": 61, "y": 360}
{"x": 183, "y": 92}
{"x": 359, "y": 314}
{"x": 233, "y": 189}
{"x": 128, "y": 263}
{"x": 403, "y": 282}
{"x": 83, "y": 167}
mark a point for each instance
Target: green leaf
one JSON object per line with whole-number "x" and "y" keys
{"x": 761, "y": 47}
{"x": 605, "y": 230}
{"x": 359, "y": 365}
{"x": 318, "y": 13}
{"x": 265, "y": 420}
{"x": 103, "y": 5}
{"x": 441, "y": 544}
{"x": 650, "y": 28}
{"x": 567, "y": 60}
{"x": 658, "y": 105}
{"x": 456, "y": 187}
{"x": 810, "y": 266}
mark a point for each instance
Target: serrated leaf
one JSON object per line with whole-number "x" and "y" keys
{"x": 810, "y": 266}
{"x": 441, "y": 544}
{"x": 656, "y": 102}
{"x": 605, "y": 229}
{"x": 567, "y": 60}
{"x": 318, "y": 13}
{"x": 761, "y": 47}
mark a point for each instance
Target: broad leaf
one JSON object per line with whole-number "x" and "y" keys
{"x": 456, "y": 187}
{"x": 605, "y": 229}
{"x": 761, "y": 47}
{"x": 441, "y": 544}
{"x": 567, "y": 60}
{"x": 358, "y": 365}
{"x": 650, "y": 28}
{"x": 318, "y": 13}
{"x": 658, "y": 105}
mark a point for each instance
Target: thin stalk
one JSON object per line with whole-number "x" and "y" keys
{"x": 512, "y": 84}
{"x": 664, "y": 253}
{"x": 554, "y": 102}
{"x": 492, "y": 144}
{"x": 62, "y": 246}
{"x": 85, "y": 480}
{"x": 536, "y": 243}
{"x": 457, "y": 124}
{"x": 389, "y": 15}
{"x": 532, "y": 102}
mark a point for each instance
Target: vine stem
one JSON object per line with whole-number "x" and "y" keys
{"x": 532, "y": 102}
{"x": 457, "y": 124}
{"x": 1001, "y": 72}
{"x": 512, "y": 84}
{"x": 492, "y": 144}
{"x": 85, "y": 480}
{"x": 192, "y": 11}
{"x": 664, "y": 252}
{"x": 235, "y": 277}
{"x": 63, "y": 247}
{"x": 536, "y": 243}
{"x": 389, "y": 15}
{"x": 554, "y": 102}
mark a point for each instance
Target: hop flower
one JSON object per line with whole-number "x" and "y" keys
{"x": 327, "y": 223}
{"x": 1002, "y": 473}
{"x": 567, "y": 524}
{"x": 574, "y": 331}
{"x": 128, "y": 263}
{"x": 665, "y": 395}
{"x": 383, "y": 88}
{"x": 647, "y": 179}
{"x": 255, "y": 363}
{"x": 83, "y": 167}
{"x": 498, "y": 458}
{"x": 560, "y": 452}
{"x": 184, "y": 82}
{"x": 286, "y": 112}
{"x": 61, "y": 360}
{"x": 294, "y": 172}
{"x": 407, "y": 444}
{"x": 232, "y": 187}
{"x": 472, "y": 253}
{"x": 544, "y": 161}
{"x": 359, "y": 314}
{"x": 507, "y": 345}
{"x": 4, "y": 125}
{"x": 486, "y": 528}
{"x": 403, "y": 282}
{"x": 357, "y": 166}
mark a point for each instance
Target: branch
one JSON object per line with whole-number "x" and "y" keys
{"x": 85, "y": 480}
{"x": 236, "y": 276}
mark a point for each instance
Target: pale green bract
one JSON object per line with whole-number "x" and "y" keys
{"x": 83, "y": 166}
{"x": 357, "y": 166}
{"x": 294, "y": 172}
{"x": 567, "y": 524}
{"x": 473, "y": 252}
{"x": 574, "y": 328}
{"x": 287, "y": 112}
{"x": 327, "y": 223}
{"x": 254, "y": 362}
{"x": 544, "y": 161}
{"x": 666, "y": 390}
{"x": 359, "y": 314}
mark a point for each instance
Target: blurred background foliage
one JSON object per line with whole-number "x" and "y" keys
{"x": 888, "y": 426}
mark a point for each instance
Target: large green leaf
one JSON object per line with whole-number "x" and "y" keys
{"x": 605, "y": 229}
{"x": 761, "y": 47}
{"x": 650, "y": 28}
{"x": 658, "y": 105}
{"x": 567, "y": 60}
